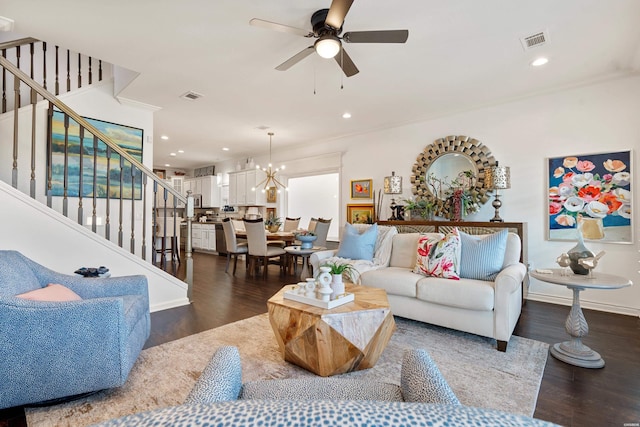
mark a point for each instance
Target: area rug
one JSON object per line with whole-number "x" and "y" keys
{"x": 480, "y": 375}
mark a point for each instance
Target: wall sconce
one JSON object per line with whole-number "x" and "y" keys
{"x": 497, "y": 178}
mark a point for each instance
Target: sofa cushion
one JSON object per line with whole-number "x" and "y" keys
{"x": 358, "y": 246}
{"x": 394, "y": 280}
{"x": 482, "y": 256}
{"x": 384, "y": 240}
{"x": 467, "y": 293}
{"x": 405, "y": 246}
{"x": 512, "y": 252}
{"x": 439, "y": 257}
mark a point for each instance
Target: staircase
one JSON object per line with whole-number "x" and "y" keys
{"x": 88, "y": 171}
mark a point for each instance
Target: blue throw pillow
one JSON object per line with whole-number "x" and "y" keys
{"x": 482, "y": 257}
{"x": 358, "y": 246}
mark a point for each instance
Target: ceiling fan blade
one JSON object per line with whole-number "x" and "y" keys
{"x": 345, "y": 62}
{"x": 280, "y": 27}
{"x": 337, "y": 12}
{"x": 295, "y": 59}
{"x": 384, "y": 36}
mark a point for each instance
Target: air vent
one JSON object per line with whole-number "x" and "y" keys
{"x": 192, "y": 96}
{"x": 534, "y": 40}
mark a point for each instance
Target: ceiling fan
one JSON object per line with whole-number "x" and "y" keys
{"x": 327, "y": 27}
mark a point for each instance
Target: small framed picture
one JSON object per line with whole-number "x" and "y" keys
{"x": 271, "y": 194}
{"x": 271, "y": 212}
{"x": 360, "y": 214}
{"x": 361, "y": 188}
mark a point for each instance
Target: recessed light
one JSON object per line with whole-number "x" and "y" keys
{"x": 172, "y": 154}
{"x": 167, "y": 165}
{"x": 225, "y": 148}
{"x": 539, "y": 61}
{"x": 180, "y": 151}
{"x": 346, "y": 116}
{"x": 165, "y": 137}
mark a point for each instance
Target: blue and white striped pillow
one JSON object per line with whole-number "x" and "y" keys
{"x": 482, "y": 257}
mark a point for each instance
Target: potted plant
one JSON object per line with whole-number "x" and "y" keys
{"x": 422, "y": 207}
{"x": 273, "y": 223}
{"x": 337, "y": 270}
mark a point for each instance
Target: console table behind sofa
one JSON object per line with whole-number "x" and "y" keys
{"x": 469, "y": 227}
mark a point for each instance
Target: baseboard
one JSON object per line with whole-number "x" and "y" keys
{"x": 609, "y": 308}
{"x": 169, "y": 304}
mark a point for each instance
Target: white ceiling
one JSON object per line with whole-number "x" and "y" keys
{"x": 460, "y": 55}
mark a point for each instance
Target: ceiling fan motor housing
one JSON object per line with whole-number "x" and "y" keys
{"x": 318, "y": 23}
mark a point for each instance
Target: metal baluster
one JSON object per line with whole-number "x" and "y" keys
{"x": 94, "y": 217}
{"x": 4, "y": 84}
{"x": 144, "y": 178}
{"x": 44, "y": 65}
{"x": 154, "y": 222}
{"x": 16, "y": 108}
{"x": 57, "y": 85}
{"x": 32, "y": 52}
{"x": 34, "y": 101}
{"x": 107, "y": 221}
{"x": 68, "y": 71}
{"x": 133, "y": 210}
{"x": 79, "y": 71}
{"x": 49, "y": 155}
{"x": 90, "y": 72}
{"x": 65, "y": 200}
{"x": 81, "y": 154}
{"x": 100, "y": 70}
{"x": 121, "y": 200}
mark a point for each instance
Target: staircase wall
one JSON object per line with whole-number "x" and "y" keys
{"x": 39, "y": 232}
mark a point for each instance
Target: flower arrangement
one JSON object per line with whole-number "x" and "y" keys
{"x": 584, "y": 189}
{"x": 458, "y": 193}
{"x": 302, "y": 232}
{"x": 273, "y": 221}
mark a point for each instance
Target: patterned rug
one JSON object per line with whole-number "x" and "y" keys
{"x": 480, "y": 375}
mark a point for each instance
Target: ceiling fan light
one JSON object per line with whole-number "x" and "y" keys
{"x": 327, "y": 46}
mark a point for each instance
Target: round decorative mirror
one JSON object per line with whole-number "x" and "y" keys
{"x": 449, "y": 175}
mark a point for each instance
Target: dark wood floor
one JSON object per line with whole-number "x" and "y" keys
{"x": 568, "y": 395}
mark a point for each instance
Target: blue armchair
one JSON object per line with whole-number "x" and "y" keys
{"x": 51, "y": 350}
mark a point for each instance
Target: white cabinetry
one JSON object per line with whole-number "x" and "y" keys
{"x": 178, "y": 184}
{"x": 242, "y": 191}
{"x": 207, "y": 186}
{"x": 203, "y": 236}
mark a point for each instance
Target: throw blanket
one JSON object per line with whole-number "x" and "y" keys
{"x": 381, "y": 255}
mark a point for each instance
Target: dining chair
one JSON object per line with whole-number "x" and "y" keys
{"x": 259, "y": 252}
{"x": 167, "y": 241}
{"x": 234, "y": 248}
{"x": 291, "y": 224}
{"x": 322, "y": 229}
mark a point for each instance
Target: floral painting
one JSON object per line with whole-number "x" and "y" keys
{"x": 591, "y": 193}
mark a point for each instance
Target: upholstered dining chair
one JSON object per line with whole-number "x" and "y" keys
{"x": 291, "y": 224}
{"x": 322, "y": 229}
{"x": 234, "y": 248}
{"x": 259, "y": 252}
{"x": 167, "y": 241}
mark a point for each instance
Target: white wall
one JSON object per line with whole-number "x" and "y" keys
{"x": 522, "y": 135}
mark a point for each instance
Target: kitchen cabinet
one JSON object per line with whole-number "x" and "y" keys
{"x": 178, "y": 184}
{"x": 242, "y": 191}
{"x": 207, "y": 186}
{"x": 203, "y": 237}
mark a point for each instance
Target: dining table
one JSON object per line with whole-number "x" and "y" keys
{"x": 285, "y": 236}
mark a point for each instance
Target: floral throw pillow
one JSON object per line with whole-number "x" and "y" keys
{"x": 439, "y": 257}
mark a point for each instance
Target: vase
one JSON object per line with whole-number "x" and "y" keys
{"x": 307, "y": 241}
{"x": 337, "y": 286}
{"x": 577, "y": 252}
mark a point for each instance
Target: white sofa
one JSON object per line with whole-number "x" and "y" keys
{"x": 486, "y": 308}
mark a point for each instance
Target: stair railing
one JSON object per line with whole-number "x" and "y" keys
{"x": 125, "y": 167}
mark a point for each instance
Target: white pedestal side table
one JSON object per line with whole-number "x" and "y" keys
{"x": 574, "y": 351}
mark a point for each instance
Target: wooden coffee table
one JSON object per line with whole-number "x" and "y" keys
{"x": 347, "y": 338}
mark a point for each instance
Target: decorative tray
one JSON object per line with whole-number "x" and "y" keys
{"x": 293, "y": 295}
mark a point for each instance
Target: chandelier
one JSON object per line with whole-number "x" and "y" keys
{"x": 270, "y": 180}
